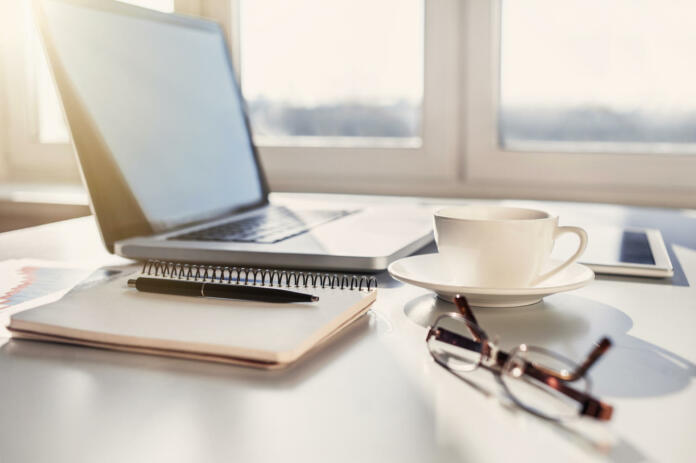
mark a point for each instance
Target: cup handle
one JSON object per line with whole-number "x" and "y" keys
{"x": 582, "y": 234}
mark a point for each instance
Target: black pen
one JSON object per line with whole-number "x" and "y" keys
{"x": 195, "y": 288}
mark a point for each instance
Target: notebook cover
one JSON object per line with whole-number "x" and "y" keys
{"x": 104, "y": 312}
{"x": 17, "y": 334}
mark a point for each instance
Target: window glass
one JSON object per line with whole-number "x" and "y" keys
{"x": 592, "y": 75}
{"x": 336, "y": 72}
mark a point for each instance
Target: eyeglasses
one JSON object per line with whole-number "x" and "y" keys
{"x": 541, "y": 382}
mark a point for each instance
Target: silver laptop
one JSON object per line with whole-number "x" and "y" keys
{"x": 165, "y": 149}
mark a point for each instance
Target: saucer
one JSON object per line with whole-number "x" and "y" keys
{"x": 430, "y": 272}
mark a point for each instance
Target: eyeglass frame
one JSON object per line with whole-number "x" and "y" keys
{"x": 495, "y": 359}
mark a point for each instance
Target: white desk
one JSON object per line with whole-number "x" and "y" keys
{"x": 374, "y": 394}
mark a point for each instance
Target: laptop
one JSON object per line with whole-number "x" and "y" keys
{"x": 165, "y": 150}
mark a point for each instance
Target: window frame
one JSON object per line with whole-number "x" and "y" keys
{"x": 435, "y": 158}
{"x": 459, "y": 154}
{"x": 27, "y": 158}
{"x": 357, "y": 168}
{"x": 668, "y": 177}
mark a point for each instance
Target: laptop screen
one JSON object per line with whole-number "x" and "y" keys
{"x": 163, "y": 97}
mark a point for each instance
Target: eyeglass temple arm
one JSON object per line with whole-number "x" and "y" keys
{"x": 591, "y": 406}
{"x": 600, "y": 348}
{"x": 450, "y": 337}
{"x": 464, "y": 308}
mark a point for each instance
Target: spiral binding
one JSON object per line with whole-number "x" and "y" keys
{"x": 250, "y": 276}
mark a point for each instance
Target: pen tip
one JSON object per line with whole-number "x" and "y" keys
{"x": 315, "y": 298}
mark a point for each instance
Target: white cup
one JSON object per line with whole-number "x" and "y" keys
{"x": 500, "y": 247}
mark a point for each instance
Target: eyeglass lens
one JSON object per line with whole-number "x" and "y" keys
{"x": 538, "y": 393}
{"x": 453, "y": 345}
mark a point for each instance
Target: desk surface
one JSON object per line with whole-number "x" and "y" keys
{"x": 374, "y": 393}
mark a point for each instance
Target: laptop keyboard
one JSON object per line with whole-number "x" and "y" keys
{"x": 275, "y": 224}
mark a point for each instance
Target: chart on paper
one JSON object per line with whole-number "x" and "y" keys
{"x": 24, "y": 280}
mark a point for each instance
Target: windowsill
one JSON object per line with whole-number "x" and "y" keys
{"x": 44, "y": 193}
{"x": 25, "y": 205}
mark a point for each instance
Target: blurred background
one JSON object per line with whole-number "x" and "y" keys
{"x": 580, "y": 100}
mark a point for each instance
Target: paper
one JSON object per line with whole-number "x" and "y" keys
{"x": 27, "y": 283}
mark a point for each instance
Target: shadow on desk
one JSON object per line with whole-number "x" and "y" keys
{"x": 570, "y": 324}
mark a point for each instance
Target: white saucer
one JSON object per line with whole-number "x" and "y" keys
{"x": 428, "y": 271}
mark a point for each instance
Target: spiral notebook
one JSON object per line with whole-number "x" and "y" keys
{"x": 103, "y": 312}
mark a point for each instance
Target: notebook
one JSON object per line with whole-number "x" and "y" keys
{"x": 103, "y": 312}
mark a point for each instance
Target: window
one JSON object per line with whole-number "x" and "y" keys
{"x": 388, "y": 109}
{"x": 345, "y": 95}
{"x": 591, "y": 75}
{"x": 579, "y": 100}
{"x": 51, "y": 123}
{"x": 346, "y": 72}
{"x": 347, "y": 88}
{"x": 29, "y": 154}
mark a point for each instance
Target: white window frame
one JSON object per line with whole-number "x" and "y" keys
{"x": 27, "y": 158}
{"x": 287, "y": 167}
{"x": 623, "y": 177}
{"x": 459, "y": 154}
{"x": 380, "y": 169}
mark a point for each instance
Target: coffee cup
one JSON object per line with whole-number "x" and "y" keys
{"x": 500, "y": 247}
